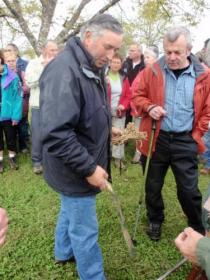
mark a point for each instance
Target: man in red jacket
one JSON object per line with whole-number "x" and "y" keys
{"x": 175, "y": 92}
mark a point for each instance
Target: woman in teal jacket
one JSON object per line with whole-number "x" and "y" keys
{"x": 10, "y": 111}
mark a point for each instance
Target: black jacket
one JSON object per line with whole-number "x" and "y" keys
{"x": 131, "y": 72}
{"x": 75, "y": 121}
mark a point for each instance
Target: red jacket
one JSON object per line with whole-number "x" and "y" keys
{"x": 148, "y": 89}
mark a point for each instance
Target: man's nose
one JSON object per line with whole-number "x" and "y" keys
{"x": 110, "y": 54}
{"x": 172, "y": 56}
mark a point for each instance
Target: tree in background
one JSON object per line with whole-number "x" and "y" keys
{"x": 37, "y": 19}
{"x": 144, "y": 20}
{"x": 154, "y": 16}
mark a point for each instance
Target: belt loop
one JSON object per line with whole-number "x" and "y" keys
{"x": 171, "y": 136}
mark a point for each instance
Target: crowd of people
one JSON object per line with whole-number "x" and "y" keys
{"x": 77, "y": 98}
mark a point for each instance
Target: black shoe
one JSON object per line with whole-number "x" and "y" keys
{"x": 154, "y": 231}
{"x": 12, "y": 163}
{"x": 62, "y": 262}
{"x": 1, "y": 167}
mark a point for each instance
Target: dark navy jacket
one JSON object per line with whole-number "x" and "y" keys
{"x": 21, "y": 64}
{"x": 75, "y": 121}
{"x": 131, "y": 72}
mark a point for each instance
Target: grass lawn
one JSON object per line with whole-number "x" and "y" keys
{"x": 33, "y": 207}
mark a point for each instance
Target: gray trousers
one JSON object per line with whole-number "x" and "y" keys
{"x": 36, "y": 151}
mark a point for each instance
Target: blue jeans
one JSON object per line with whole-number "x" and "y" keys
{"x": 36, "y": 150}
{"x": 77, "y": 235}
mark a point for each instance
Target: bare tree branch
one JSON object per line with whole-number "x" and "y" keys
{"x": 48, "y": 9}
{"x": 4, "y": 14}
{"x": 164, "y": 9}
{"x": 65, "y": 34}
{"x": 109, "y": 5}
{"x": 12, "y": 27}
{"x": 69, "y": 23}
{"x": 15, "y": 9}
{"x": 75, "y": 16}
{"x": 43, "y": 12}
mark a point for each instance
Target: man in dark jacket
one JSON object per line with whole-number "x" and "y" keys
{"x": 75, "y": 124}
{"x": 134, "y": 63}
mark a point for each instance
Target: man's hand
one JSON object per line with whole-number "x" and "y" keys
{"x": 157, "y": 112}
{"x": 14, "y": 123}
{"x": 116, "y": 131}
{"x": 187, "y": 242}
{"x": 98, "y": 178}
{"x": 120, "y": 110}
{"x": 3, "y": 225}
{"x": 121, "y": 107}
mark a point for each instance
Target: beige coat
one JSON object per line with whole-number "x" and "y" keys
{"x": 33, "y": 72}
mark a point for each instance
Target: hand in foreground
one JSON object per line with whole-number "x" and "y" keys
{"x": 187, "y": 242}
{"x": 98, "y": 178}
{"x": 116, "y": 131}
{"x": 157, "y": 112}
{"x": 3, "y": 225}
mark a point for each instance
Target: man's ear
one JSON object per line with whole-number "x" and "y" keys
{"x": 88, "y": 37}
{"x": 188, "y": 52}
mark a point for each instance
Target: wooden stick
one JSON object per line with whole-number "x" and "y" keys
{"x": 126, "y": 235}
{"x": 177, "y": 265}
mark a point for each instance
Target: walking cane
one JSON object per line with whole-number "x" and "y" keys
{"x": 141, "y": 196}
{"x": 177, "y": 265}
{"x": 126, "y": 235}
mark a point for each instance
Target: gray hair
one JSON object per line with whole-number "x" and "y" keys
{"x": 154, "y": 49}
{"x": 206, "y": 43}
{"x": 14, "y": 47}
{"x": 100, "y": 23}
{"x": 139, "y": 47}
{"x": 49, "y": 42}
{"x": 173, "y": 33}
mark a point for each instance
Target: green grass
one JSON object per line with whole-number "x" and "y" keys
{"x": 33, "y": 207}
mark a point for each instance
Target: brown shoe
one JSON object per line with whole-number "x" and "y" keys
{"x": 205, "y": 171}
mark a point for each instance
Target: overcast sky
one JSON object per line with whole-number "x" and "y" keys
{"x": 201, "y": 33}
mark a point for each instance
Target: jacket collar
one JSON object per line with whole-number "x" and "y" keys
{"x": 84, "y": 58}
{"x": 197, "y": 67}
{"x": 8, "y": 76}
